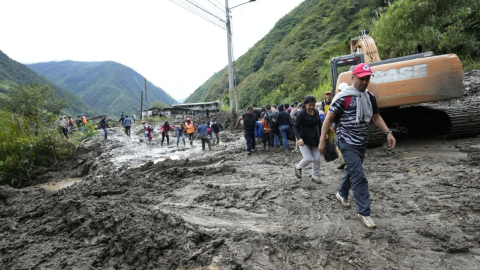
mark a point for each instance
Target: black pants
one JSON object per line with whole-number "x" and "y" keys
{"x": 127, "y": 130}
{"x": 65, "y": 132}
{"x": 206, "y": 139}
{"x": 272, "y": 136}
{"x": 266, "y": 139}
{"x": 250, "y": 138}
{"x": 163, "y": 138}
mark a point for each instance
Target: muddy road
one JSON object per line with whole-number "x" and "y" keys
{"x": 126, "y": 204}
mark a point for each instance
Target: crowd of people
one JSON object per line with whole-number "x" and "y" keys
{"x": 65, "y": 124}
{"x": 342, "y": 120}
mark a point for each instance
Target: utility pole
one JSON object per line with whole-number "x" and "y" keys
{"x": 146, "y": 96}
{"x": 231, "y": 86}
{"x": 141, "y": 106}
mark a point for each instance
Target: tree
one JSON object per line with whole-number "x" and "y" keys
{"x": 32, "y": 101}
{"x": 158, "y": 104}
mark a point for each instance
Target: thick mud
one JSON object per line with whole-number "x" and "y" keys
{"x": 128, "y": 204}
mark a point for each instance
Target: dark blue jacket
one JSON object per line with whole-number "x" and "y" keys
{"x": 127, "y": 122}
{"x": 216, "y": 127}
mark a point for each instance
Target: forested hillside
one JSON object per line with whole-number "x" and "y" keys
{"x": 109, "y": 87}
{"x": 202, "y": 92}
{"x": 13, "y": 73}
{"x": 291, "y": 61}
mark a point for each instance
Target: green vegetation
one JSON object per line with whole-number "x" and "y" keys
{"x": 109, "y": 87}
{"x": 29, "y": 136}
{"x": 291, "y": 61}
{"x": 158, "y": 104}
{"x": 201, "y": 93}
{"x": 13, "y": 73}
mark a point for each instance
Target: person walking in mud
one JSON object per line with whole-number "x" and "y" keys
{"x": 104, "y": 126}
{"x": 202, "y": 132}
{"x": 164, "y": 129}
{"x": 122, "y": 117}
{"x": 78, "y": 122}
{"x": 307, "y": 132}
{"x": 127, "y": 123}
{"x": 190, "y": 127}
{"x": 180, "y": 134}
{"x": 249, "y": 120}
{"x": 62, "y": 126}
{"x": 69, "y": 126}
{"x": 216, "y": 126}
{"x": 356, "y": 106}
{"x": 134, "y": 117}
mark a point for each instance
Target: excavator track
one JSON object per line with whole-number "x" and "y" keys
{"x": 447, "y": 122}
{"x": 464, "y": 121}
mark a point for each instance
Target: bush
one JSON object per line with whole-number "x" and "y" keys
{"x": 21, "y": 149}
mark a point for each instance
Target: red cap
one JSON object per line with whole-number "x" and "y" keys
{"x": 328, "y": 93}
{"x": 188, "y": 119}
{"x": 362, "y": 70}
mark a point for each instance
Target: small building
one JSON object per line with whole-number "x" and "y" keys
{"x": 213, "y": 106}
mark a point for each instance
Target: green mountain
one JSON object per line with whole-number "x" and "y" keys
{"x": 109, "y": 87}
{"x": 13, "y": 73}
{"x": 202, "y": 92}
{"x": 292, "y": 60}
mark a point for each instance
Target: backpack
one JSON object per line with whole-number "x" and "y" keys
{"x": 348, "y": 99}
{"x": 271, "y": 119}
{"x": 100, "y": 124}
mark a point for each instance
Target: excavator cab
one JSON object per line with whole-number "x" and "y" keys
{"x": 342, "y": 64}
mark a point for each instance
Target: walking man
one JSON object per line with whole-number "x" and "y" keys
{"x": 202, "y": 132}
{"x": 352, "y": 132}
{"x": 249, "y": 120}
{"x": 190, "y": 127}
{"x": 216, "y": 126}
{"x": 127, "y": 123}
{"x": 104, "y": 125}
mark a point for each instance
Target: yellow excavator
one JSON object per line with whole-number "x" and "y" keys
{"x": 400, "y": 84}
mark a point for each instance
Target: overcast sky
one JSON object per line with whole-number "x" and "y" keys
{"x": 173, "y": 48}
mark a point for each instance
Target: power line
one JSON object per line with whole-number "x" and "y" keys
{"x": 222, "y": 8}
{"x": 208, "y": 12}
{"x": 200, "y": 14}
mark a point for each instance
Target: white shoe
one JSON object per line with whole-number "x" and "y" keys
{"x": 342, "y": 200}
{"x": 367, "y": 221}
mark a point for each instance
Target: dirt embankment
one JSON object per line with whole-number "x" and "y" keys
{"x": 222, "y": 209}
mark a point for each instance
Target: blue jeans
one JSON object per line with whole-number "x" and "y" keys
{"x": 283, "y": 130}
{"x": 354, "y": 177}
{"x": 250, "y": 138}
{"x": 180, "y": 135}
{"x": 105, "y": 132}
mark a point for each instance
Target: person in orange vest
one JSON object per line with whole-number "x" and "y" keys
{"x": 190, "y": 128}
{"x": 84, "y": 120}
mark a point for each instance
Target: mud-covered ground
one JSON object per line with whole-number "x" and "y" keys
{"x": 127, "y": 204}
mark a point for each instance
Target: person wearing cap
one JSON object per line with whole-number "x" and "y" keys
{"x": 326, "y": 102}
{"x": 356, "y": 106}
{"x": 190, "y": 127}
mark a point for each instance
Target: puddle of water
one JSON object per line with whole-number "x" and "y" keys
{"x": 58, "y": 185}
